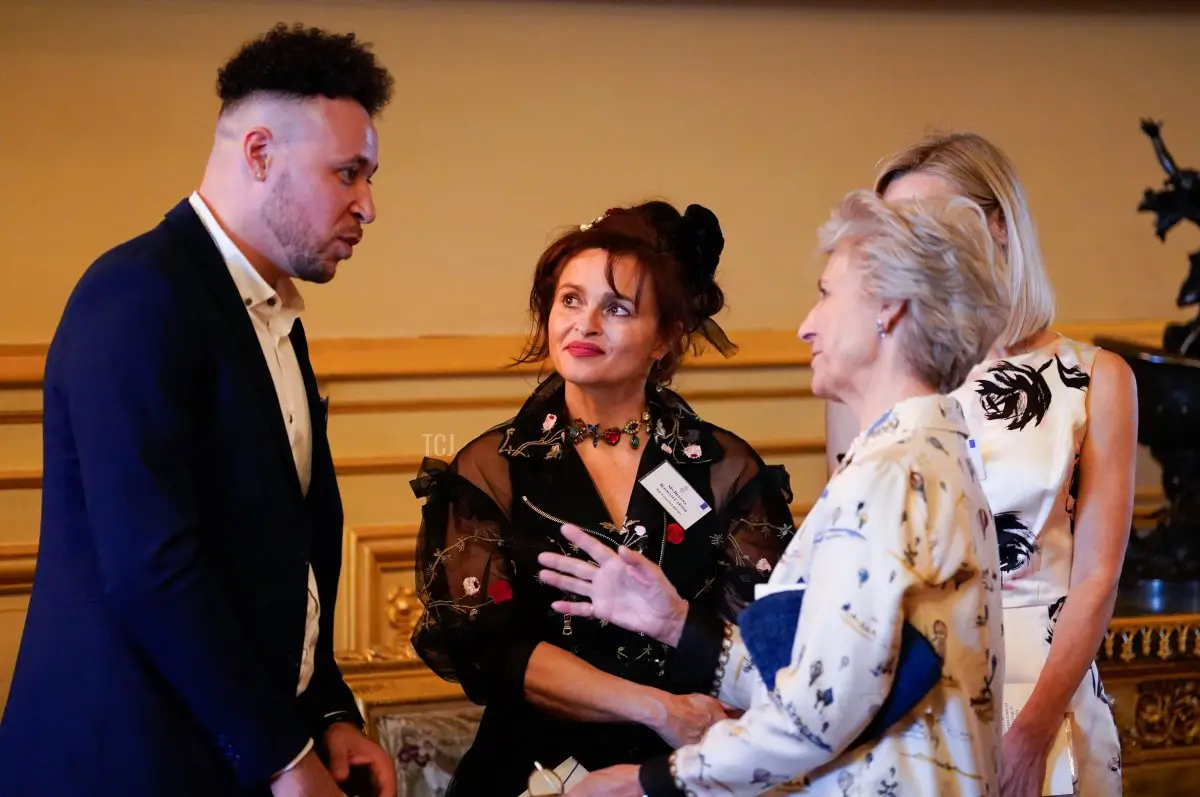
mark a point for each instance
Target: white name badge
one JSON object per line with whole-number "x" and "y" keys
{"x": 678, "y": 497}
{"x": 976, "y": 457}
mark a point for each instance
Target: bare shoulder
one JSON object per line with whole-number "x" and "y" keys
{"x": 1113, "y": 386}
{"x": 1112, "y": 407}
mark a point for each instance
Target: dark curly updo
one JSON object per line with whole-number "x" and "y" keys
{"x": 679, "y": 254}
{"x": 305, "y": 62}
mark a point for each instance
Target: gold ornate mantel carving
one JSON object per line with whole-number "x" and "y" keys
{"x": 1151, "y": 638}
{"x": 403, "y": 612}
{"x": 1167, "y": 714}
{"x": 1150, "y": 664}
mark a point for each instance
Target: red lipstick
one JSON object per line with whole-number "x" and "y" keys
{"x": 581, "y": 349}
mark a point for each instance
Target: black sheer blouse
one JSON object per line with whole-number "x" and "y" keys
{"x": 501, "y": 502}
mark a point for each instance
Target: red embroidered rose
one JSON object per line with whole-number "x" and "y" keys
{"x": 674, "y": 533}
{"x": 500, "y": 591}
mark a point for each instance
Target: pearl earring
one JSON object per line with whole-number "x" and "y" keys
{"x": 879, "y": 326}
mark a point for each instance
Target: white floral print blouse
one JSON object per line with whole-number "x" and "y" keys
{"x": 901, "y": 533}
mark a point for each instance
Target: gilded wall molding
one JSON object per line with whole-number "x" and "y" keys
{"x": 17, "y": 564}
{"x": 340, "y": 360}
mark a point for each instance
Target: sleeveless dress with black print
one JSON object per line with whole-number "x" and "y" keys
{"x": 1029, "y": 415}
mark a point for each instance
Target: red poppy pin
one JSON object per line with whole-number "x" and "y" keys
{"x": 500, "y": 591}
{"x": 674, "y": 533}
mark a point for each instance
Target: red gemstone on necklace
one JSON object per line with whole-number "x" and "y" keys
{"x": 612, "y": 436}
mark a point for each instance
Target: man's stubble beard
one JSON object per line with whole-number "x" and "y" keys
{"x": 282, "y": 216}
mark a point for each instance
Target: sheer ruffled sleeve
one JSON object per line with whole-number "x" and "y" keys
{"x": 474, "y": 629}
{"x": 756, "y": 517}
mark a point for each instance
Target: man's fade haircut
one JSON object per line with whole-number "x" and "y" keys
{"x": 303, "y": 62}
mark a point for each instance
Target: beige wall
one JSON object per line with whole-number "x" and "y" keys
{"x": 512, "y": 119}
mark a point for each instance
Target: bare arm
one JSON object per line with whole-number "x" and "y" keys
{"x": 1104, "y": 510}
{"x": 565, "y": 685}
{"x": 841, "y": 427}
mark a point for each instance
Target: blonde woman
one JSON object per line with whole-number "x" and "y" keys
{"x": 897, "y": 554}
{"x": 1056, "y": 423}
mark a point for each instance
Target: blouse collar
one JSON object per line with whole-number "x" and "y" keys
{"x": 539, "y": 429}
{"x": 931, "y": 412}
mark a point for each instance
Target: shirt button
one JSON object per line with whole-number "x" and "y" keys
{"x": 271, "y": 302}
{"x": 289, "y": 417}
{"x": 247, "y": 301}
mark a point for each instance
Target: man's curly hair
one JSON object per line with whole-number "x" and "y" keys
{"x": 304, "y": 62}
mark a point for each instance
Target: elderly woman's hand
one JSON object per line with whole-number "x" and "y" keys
{"x": 624, "y": 588}
{"x": 686, "y": 718}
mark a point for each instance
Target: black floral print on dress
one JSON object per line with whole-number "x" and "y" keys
{"x": 1017, "y": 394}
{"x": 1072, "y": 376}
{"x": 1052, "y": 618}
{"x": 1015, "y": 547}
{"x": 1073, "y": 495}
{"x": 1033, "y": 441}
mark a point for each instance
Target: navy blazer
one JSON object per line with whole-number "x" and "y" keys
{"x": 161, "y": 652}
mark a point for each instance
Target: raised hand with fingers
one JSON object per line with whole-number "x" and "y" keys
{"x": 622, "y": 587}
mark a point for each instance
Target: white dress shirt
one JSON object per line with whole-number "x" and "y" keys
{"x": 273, "y": 313}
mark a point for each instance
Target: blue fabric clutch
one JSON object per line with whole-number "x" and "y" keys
{"x": 768, "y": 628}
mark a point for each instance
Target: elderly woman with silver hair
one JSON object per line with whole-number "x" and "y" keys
{"x": 872, "y": 661}
{"x": 1055, "y": 422}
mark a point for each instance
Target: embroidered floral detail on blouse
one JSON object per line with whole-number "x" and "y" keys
{"x": 500, "y": 591}
{"x": 549, "y": 422}
{"x": 678, "y": 435}
{"x": 763, "y": 566}
{"x": 551, "y": 439}
{"x": 470, "y": 585}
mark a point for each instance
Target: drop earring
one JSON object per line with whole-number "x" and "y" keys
{"x": 879, "y": 326}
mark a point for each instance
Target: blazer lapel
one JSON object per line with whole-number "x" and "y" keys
{"x": 318, "y": 407}
{"x": 199, "y": 245}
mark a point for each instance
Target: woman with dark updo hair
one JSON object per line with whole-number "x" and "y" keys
{"x": 615, "y": 306}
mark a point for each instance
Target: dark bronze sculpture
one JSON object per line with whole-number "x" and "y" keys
{"x": 1178, "y": 200}
{"x": 1168, "y": 382}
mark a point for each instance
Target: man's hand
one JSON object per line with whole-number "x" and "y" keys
{"x": 309, "y": 778}
{"x": 349, "y": 747}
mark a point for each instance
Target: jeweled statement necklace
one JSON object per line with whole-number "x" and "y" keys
{"x": 580, "y": 431}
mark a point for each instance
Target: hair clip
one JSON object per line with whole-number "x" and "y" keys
{"x": 587, "y": 225}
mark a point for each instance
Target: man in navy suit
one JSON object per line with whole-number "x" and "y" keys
{"x": 179, "y": 639}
